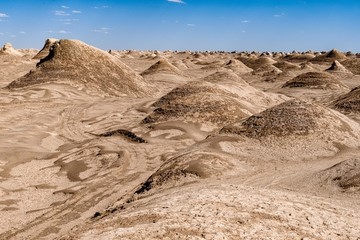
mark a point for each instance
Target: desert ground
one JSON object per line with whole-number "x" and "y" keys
{"x": 110, "y": 144}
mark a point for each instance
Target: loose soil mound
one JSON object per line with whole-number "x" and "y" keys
{"x": 75, "y": 63}
{"x": 314, "y": 80}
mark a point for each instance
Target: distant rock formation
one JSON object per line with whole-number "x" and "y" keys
{"x": 8, "y": 49}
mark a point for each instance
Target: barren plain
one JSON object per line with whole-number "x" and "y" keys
{"x": 132, "y": 144}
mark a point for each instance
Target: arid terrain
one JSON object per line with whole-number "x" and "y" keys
{"x": 132, "y": 144}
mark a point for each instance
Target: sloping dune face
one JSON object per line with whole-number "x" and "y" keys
{"x": 80, "y": 65}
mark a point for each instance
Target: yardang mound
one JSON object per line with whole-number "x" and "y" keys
{"x": 350, "y": 102}
{"x": 352, "y": 65}
{"x": 329, "y": 56}
{"x": 314, "y": 80}
{"x": 286, "y": 66}
{"x": 46, "y": 49}
{"x": 162, "y": 66}
{"x": 292, "y": 130}
{"x": 8, "y": 49}
{"x": 337, "y": 67}
{"x": 237, "y": 66}
{"x": 218, "y": 99}
{"x": 75, "y": 63}
{"x": 345, "y": 175}
{"x": 186, "y": 168}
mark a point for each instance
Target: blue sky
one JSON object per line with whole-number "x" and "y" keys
{"x": 261, "y": 25}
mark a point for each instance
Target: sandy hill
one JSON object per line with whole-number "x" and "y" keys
{"x": 256, "y": 62}
{"x": 345, "y": 176}
{"x": 162, "y": 66}
{"x": 337, "y": 67}
{"x": 8, "y": 49}
{"x": 237, "y": 66}
{"x": 218, "y": 99}
{"x": 330, "y": 56}
{"x": 267, "y": 70}
{"x": 46, "y": 49}
{"x": 298, "y": 57}
{"x": 292, "y": 130}
{"x": 188, "y": 167}
{"x": 349, "y": 102}
{"x": 78, "y": 64}
{"x": 352, "y": 65}
{"x": 315, "y": 80}
{"x": 286, "y": 66}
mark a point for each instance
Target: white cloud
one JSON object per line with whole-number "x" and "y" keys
{"x": 65, "y": 7}
{"x": 63, "y": 32}
{"x": 104, "y": 6}
{"x": 176, "y": 1}
{"x": 1, "y": 33}
{"x": 279, "y": 15}
{"x": 245, "y": 21}
{"x": 61, "y": 13}
{"x": 69, "y": 21}
{"x": 12, "y": 36}
{"x": 190, "y": 25}
{"x": 22, "y": 32}
{"x": 104, "y": 30}
{"x": 3, "y": 15}
{"x": 76, "y": 11}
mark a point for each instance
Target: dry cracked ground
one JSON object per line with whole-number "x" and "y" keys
{"x": 178, "y": 145}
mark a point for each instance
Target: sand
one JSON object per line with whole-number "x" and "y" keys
{"x": 178, "y": 145}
